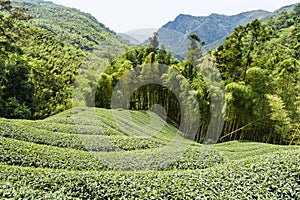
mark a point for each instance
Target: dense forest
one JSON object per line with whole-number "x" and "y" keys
{"x": 259, "y": 65}
{"x": 258, "y": 62}
{"x": 40, "y": 58}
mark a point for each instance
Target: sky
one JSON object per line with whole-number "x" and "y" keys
{"x": 127, "y": 15}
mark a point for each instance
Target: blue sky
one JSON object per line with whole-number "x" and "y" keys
{"x": 126, "y": 15}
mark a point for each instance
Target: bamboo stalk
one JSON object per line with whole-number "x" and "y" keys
{"x": 297, "y": 130}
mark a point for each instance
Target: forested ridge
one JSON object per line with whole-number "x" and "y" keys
{"x": 259, "y": 65}
{"x": 41, "y": 58}
{"x": 74, "y": 27}
{"x": 38, "y": 69}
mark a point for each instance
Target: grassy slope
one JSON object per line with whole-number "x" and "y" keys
{"x": 50, "y": 159}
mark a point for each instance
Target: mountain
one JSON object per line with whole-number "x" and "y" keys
{"x": 138, "y": 36}
{"x": 211, "y": 29}
{"x": 129, "y": 38}
{"x": 289, "y": 7}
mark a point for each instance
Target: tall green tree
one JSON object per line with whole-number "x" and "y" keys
{"x": 153, "y": 42}
{"x": 195, "y": 49}
{"x": 16, "y": 90}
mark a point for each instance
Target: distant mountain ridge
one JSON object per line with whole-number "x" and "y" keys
{"x": 129, "y": 38}
{"x": 138, "y": 36}
{"x": 212, "y": 29}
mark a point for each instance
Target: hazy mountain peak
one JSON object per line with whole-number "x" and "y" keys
{"x": 34, "y": 1}
{"x": 138, "y": 36}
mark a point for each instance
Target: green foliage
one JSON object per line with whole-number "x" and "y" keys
{"x": 138, "y": 59}
{"x": 12, "y": 108}
{"x": 37, "y": 163}
{"x": 104, "y": 90}
{"x": 14, "y": 152}
{"x": 144, "y": 149}
{"x": 16, "y": 90}
{"x": 280, "y": 116}
{"x": 236, "y": 55}
{"x": 33, "y": 68}
{"x": 264, "y": 58}
{"x": 54, "y": 66}
{"x": 49, "y": 158}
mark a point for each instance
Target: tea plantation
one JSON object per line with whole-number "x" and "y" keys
{"x": 87, "y": 153}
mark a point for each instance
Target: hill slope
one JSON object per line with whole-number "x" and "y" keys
{"x": 69, "y": 156}
{"x": 83, "y": 32}
{"x": 79, "y": 29}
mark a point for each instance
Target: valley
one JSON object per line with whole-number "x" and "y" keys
{"x": 203, "y": 108}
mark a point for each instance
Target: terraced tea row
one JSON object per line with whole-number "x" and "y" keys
{"x": 26, "y": 132}
{"x": 271, "y": 176}
{"x": 52, "y": 159}
{"x": 16, "y": 152}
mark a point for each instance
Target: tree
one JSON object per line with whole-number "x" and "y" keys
{"x": 16, "y": 91}
{"x": 9, "y": 16}
{"x": 153, "y": 42}
{"x": 280, "y": 116}
{"x": 237, "y": 54}
{"x": 104, "y": 91}
{"x": 163, "y": 56}
{"x": 194, "y": 52}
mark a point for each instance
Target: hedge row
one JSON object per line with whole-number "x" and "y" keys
{"x": 15, "y": 152}
{"x": 271, "y": 176}
{"x": 29, "y": 133}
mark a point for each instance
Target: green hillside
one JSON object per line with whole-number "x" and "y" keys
{"x": 91, "y": 153}
{"x": 83, "y": 32}
{"x": 77, "y": 28}
{"x": 37, "y": 68}
{"x": 42, "y": 60}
